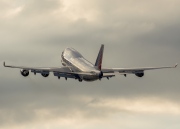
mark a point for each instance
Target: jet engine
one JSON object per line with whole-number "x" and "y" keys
{"x": 139, "y": 74}
{"x": 45, "y": 74}
{"x": 24, "y": 72}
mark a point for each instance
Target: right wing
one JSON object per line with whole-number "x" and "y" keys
{"x": 125, "y": 71}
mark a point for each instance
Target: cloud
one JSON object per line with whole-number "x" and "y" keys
{"x": 86, "y": 110}
{"x": 139, "y": 105}
{"x": 135, "y": 33}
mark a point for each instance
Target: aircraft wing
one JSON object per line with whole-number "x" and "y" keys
{"x": 133, "y": 70}
{"x": 58, "y": 71}
{"x": 47, "y": 69}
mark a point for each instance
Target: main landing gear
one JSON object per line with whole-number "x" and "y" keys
{"x": 80, "y": 80}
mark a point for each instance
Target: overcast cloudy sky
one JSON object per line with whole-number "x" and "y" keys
{"x": 136, "y": 33}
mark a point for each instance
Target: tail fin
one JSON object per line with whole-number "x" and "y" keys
{"x": 98, "y": 63}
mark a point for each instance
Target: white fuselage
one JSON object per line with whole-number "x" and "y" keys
{"x": 77, "y": 63}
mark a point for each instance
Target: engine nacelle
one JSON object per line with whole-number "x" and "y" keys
{"x": 45, "y": 74}
{"x": 139, "y": 74}
{"x": 24, "y": 72}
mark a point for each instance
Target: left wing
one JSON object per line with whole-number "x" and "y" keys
{"x": 37, "y": 69}
{"x": 133, "y": 70}
{"x": 58, "y": 71}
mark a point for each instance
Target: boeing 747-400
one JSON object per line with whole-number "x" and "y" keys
{"x": 77, "y": 67}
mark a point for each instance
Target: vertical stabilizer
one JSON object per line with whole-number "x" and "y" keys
{"x": 98, "y": 63}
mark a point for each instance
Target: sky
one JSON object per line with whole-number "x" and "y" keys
{"x": 136, "y": 33}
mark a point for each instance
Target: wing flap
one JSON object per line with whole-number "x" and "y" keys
{"x": 65, "y": 75}
{"x": 108, "y": 75}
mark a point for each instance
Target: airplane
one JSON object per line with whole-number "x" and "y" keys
{"x": 75, "y": 66}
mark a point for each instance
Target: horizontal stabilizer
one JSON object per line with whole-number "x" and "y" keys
{"x": 176, "y": 65}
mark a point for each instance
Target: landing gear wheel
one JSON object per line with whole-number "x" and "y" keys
{"x": 80, "y": 80}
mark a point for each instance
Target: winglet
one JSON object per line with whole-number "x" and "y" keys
{"x": 4, "y": 64}
{"x": 176, "y": 65}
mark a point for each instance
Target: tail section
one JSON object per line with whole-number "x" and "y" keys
{"x": 98, "y": 63}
